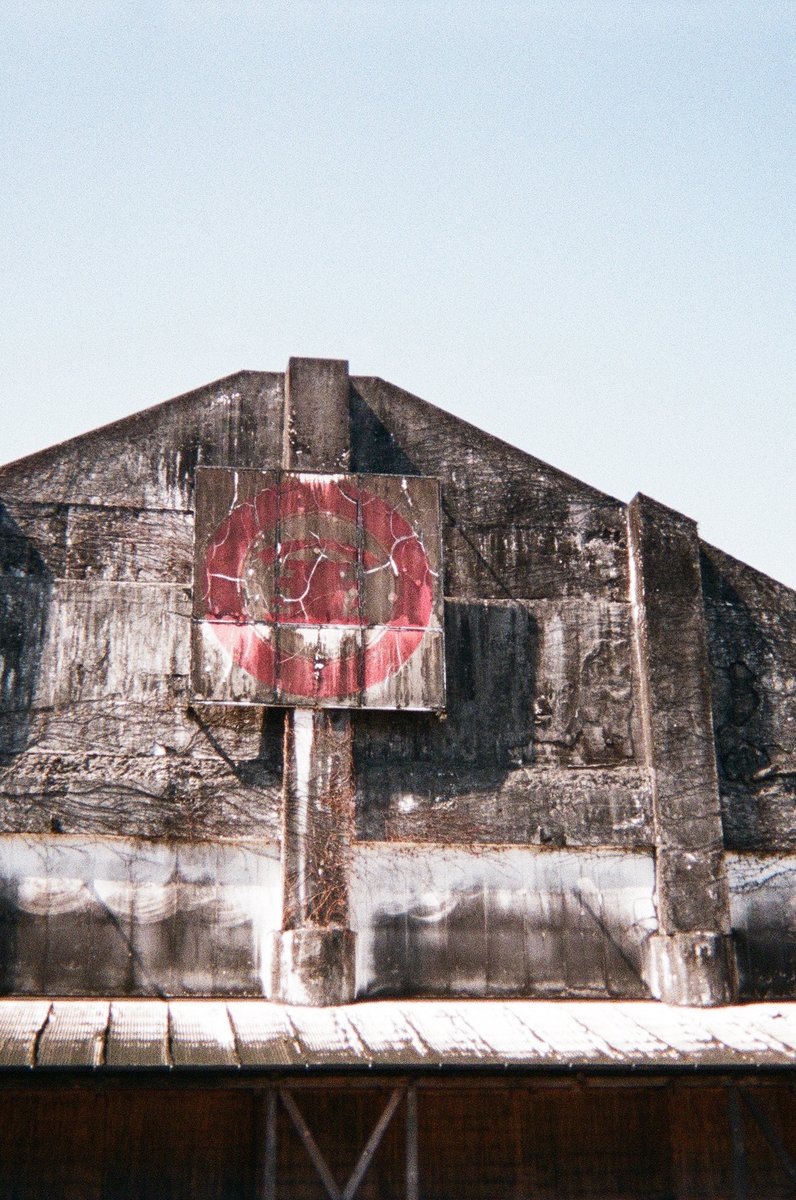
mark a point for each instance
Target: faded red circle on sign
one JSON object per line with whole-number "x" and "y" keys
{"x": 284, "y": 576}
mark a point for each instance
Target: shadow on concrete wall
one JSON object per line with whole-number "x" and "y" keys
{"x": 25, "y": 586}
{"x": 742, "y": 653}
{"x": 491, "y": 655}
{"x": 749, "y": 662}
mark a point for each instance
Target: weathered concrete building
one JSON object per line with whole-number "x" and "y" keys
{"x": 314, "y": 695}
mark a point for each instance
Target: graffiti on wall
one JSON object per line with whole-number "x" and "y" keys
{"x": 318, "y": 590}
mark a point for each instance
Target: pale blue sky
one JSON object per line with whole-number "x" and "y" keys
{"x": 570, "y": 223}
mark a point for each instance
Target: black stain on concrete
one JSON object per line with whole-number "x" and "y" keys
{"x": 25, "y": 587}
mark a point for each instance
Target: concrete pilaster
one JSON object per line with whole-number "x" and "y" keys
{"x": 691, "y": 959}
{"x": 313, "y": 955}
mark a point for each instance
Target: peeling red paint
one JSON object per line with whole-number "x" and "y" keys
{"x": 295, "y": 573}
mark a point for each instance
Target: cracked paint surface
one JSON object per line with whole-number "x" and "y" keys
{"x": 320, "y": 590}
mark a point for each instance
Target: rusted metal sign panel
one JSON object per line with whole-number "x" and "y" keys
{"x": 317, "y": 590}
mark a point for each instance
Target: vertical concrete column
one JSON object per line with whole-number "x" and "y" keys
{"x": 691, "y": 960}
{"x": 317, "y": 415}
{"x": 313, "y": 955}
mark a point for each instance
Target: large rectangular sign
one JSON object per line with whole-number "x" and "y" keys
{"x": 317, "y": 590}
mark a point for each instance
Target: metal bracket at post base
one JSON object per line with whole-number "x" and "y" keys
{"x": 313, "y": 966}
{"x": 692, "y": 969}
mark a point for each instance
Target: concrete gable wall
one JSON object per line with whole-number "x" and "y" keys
{"x": 542, "y": 748}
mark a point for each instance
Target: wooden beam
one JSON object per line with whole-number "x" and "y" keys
{"x": 412, "y": 1171}
{"x": 365, "y": 1158}
{"x": 310, "y": 1145}
{"x": 769, "y": 1132}
{"x": 740, "y": 1179}
{"x": 372, "y": 1145}
{"x": 266, "y": 1145}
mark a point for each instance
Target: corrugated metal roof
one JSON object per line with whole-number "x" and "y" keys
{"x": 74, "y": 1034}
{"x": 138, "y": 1034}
{"x": 201, "y": 1034}
{"x": 403, "y": 1034}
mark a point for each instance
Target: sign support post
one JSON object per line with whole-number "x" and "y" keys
{"x": 313, "y": 954}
